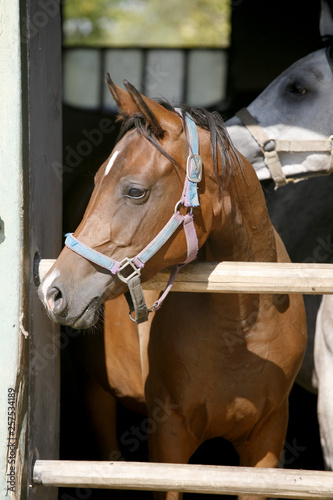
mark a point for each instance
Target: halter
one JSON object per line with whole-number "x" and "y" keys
{"x": 129, "y": 269}
{"x": 271, "y": 147}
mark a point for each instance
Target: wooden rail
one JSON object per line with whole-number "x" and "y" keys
{"x": 235, "y": 277}
{"x": 207, "y": 277}
{"x": 215, "y": 480}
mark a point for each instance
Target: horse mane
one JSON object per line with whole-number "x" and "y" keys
{"x": 326, "y": 42}
{"x": 219, "y": 138}
{"x": 210, "y": 121}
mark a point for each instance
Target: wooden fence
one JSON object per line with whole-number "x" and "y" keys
{"x": 228, "y": 277}
{"x": 216, "y": 480}
{"x": 236, "y": 277}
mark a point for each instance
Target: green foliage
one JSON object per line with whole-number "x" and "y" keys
{"x": 147, "y": 23}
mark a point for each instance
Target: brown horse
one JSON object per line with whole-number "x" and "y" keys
{"x": 204, "y": 365}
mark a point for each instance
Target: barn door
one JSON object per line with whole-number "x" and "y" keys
{"x": 30, "y": 227}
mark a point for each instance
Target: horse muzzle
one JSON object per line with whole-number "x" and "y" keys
{"x": 78, "y": 307}
{"x": 57, "y": 306}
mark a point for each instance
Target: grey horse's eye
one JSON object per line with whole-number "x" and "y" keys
{"x": 297, "y": 89}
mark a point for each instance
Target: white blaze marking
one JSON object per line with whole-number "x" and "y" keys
{"x": 111, "y": 162}
{"x": 48, "y": 281}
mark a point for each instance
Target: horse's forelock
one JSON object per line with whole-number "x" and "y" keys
{"x": 210, "y": 121}
{"x": 139, "y": 123}
{"x": 329, "y": 53}
{"x": 326, "y": 42}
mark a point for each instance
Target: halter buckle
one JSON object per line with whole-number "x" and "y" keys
{"x": 123, "y": 265}
{"x": 196, "y": 174}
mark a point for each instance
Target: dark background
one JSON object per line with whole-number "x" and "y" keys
{"x": 266, "y": 38}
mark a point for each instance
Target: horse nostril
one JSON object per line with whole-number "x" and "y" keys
{"x": 56, "y": 302}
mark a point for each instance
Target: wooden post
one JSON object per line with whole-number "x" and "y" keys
{"x": 30, "y": 225}
{"x": 12, "y": 339}
{"x": 42, "y": 86}
{"x": 215, "y": 480}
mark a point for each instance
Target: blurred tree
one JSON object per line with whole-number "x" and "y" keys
{"x": 151, "y": 23}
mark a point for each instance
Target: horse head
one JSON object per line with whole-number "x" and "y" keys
{"x": 135, "y": 195}
{"x": 295, "y": 109}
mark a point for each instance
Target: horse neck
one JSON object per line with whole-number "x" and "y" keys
{"x": 242, "y": 230}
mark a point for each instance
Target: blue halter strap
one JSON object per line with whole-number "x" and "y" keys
{"x": 90, "y": 254}
{"x": 193, "y": 165}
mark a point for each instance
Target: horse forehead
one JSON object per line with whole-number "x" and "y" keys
{"x": 312, "y": 70}
{"x": 134, "y": 154}
{"x": 131, "y": 148}
{"x": 134, "y": 145}
{"x": 314, "y": 66}
{"x": 139, "y": 149}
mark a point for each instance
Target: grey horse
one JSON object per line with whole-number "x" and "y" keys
{"x": 286, "y": 133}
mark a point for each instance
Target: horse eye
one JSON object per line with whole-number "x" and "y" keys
{"x": 136, "y": 193}
{"x": 296, "y": 89}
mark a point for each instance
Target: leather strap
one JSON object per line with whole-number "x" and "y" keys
{"x": 267, "y": 145}
{"x": 138, "y": 300}
{"x": 270, "y": 149}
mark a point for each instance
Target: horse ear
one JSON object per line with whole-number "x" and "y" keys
{"x": 147, "y": 108}
{"x": 132, "y": 102}
{"x": 161, "y": 120}
{"x": 326, "y": 20}
{"x": 121, "y": 98}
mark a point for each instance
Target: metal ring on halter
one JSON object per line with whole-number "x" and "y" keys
{"x": 131, "y": 317}
{"x": 177, "y": 205}
{"x": 269, "y": 145}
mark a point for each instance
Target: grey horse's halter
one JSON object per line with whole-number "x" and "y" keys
{"x": 271, "y": 147}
